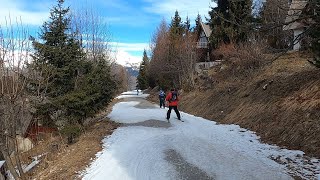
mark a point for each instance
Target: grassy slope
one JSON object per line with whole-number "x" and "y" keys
{"x": 286, "y": 113}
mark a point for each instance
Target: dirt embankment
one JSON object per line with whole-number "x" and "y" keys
{"x": 63, "y": 161}
{"x": 281, "y": 103}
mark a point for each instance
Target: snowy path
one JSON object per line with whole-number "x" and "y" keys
{"x": 147, "y": 148}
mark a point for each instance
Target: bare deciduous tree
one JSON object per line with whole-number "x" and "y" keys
{"x": 121, "y": 77}
{"x": 173, "y": 60}
{"x": 186, "y": 61}
{"x": 94, "y": 35}
{"x": 14, "y": 53}
{"x": 159, "y": 46}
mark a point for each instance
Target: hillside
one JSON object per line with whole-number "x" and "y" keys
{"x": 281, "y": 102}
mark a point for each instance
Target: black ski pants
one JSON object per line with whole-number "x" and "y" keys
{"x": 175, "y": 108}
{"x": 162, "y": 103}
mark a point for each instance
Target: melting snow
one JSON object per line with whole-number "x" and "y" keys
{"x": 1, "y": 163}
{"x": 221, "y": 151}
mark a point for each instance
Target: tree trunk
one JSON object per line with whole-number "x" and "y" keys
{"x": 13, "y": 141}
{"x": 9, "y": 164}
{"x": 18, "y": 161}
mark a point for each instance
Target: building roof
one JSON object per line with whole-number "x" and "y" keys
{"x": 295, "y": 10}
{"x": 206, "y": 28}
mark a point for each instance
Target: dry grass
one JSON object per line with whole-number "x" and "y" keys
{"x": 240, "y": 61}
{"x": 280, "y": 101}
{"x": 287, "y": 64}
{"x": 68, "y": 161}
{"x": 63, "y": 161}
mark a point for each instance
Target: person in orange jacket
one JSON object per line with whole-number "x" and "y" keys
{"x": 173, "y": 100}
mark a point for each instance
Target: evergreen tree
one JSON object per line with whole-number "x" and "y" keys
{"x": 96, "y": 90}
{"x": 143, "y": 76}
{"x": 187, "y": 25}
{"x": 230, "y": 21}
{"x": 197, "y": 27}
{"x": 59, "y": 50}
{"x": 176, "y": 32}
{"x": 315, "y": 32}
{"x": 77, "y": 86}
{"x": 176, "y": 26}
{"x": 58, "y": 58}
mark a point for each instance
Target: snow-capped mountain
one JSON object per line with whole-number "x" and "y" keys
{"x": 132, "y": 68}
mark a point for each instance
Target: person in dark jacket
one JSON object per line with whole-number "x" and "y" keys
{"x": 173, "y": 100}
{"x": 162, "y": 97}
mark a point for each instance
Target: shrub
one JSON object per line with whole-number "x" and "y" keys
{"x": 72, "y": 132}
{"x": 241, "y": 61}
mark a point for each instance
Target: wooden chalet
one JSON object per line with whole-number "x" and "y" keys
{"x": 203, "y": 44}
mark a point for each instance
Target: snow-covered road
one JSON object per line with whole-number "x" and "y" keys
{"x": 147, "y": 147}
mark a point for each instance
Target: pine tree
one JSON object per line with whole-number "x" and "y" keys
{"x": 58, "y": 58}
{"x": 96, "y": 90}
{"x": 230, "y": 21}
{"x": 59, "y": 50}
{"x": 176, "y": 26}
{"x": 197, "y": 28}
{"x": 78, "y": 87}
{"x": 143, "y": 76}
{"x": 187, "y": 25}
{"x": 176, "y": 32}
{"x": 315, "y": 33}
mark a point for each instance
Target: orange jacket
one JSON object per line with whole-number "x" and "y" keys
{"x": 172, "y": 103}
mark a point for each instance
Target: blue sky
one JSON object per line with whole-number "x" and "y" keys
{"x": 131, "y": 23}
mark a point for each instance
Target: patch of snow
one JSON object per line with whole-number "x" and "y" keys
{"x": 132, "y": 94}
{"x": 31, "y": 165}
{"x": 36, "y": 160}
{"x": 133, "y": 114}
{"x": 9, "y": 175}
{"x": 222, "y": 151}
{"x": 2, "y": 163}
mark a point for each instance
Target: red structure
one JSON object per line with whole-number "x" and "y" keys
{"x": 34, "y": 130}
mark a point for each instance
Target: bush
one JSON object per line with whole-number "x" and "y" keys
{"x": 71, "y": 132}
{"x": 240, "y": 61}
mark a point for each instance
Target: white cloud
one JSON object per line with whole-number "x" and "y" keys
{"x": 15, "y": 56}
{"x": 185, "y": 8}
{"x": 23, "y": 17}
{"x": 123, "y": 58}
{"x": 130, "y": 46}
{"x": 13, "y": 10}
{"x": 119, "y": 5}
{"x": 123, "y": 52}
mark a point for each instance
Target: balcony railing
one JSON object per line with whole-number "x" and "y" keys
{"x": 202, "y": 44}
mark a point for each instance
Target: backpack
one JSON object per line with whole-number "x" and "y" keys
{"x": 162, "y": 94}
{"x": 174, "y": 96}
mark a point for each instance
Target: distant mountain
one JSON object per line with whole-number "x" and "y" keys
{"x": 132, "y": 69}
{"x": 133, "y": 65}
